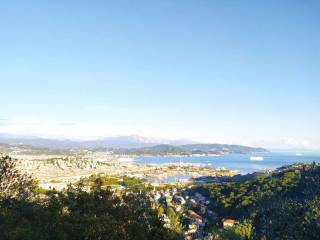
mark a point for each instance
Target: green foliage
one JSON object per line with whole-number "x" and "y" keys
{"x": 14, "y": 184}
{"x": 130, "y": 183}
{"x": 160, "y": 211}
{"x": 238, "y": 199}
{"x": 240, "y": 231}
{"x": 285, "y": 205}
{"x": 21, "y": 219}
{"x": 175, "y": 220}
{"x": 99, "y": 214}
{"x": 288, "y": 219}
{"x": 77, "y": 214}
{"x": 105, "y": 180}
{"x": 294, "y": 214}
{"x": 134, "y": 183}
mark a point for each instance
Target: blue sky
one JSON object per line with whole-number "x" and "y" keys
{"x": 242, "y": 72}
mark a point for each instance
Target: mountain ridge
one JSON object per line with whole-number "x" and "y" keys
{"x": 133, "y": 144}
{"x": 131, "y": 141}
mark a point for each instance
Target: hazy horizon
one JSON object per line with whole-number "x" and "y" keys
{"x": 283, "y": 145}
{"x": 214, "y": 72}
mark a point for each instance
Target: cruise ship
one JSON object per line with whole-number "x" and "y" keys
{"x": 256, "y": 158}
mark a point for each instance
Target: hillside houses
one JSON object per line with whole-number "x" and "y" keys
{"x": 191, "y": 208}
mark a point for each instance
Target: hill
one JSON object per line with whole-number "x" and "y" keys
{"x": 189, "y": 149}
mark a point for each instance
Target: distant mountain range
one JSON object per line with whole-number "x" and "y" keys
{"x": 109, "y": 142}
{"x": 133, "y": 145}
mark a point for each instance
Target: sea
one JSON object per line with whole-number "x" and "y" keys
{"x": 242, "y": 163}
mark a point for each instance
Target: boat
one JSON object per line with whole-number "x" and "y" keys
{"x": 256, "y": 158}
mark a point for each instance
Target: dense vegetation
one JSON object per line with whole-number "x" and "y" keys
{"x": 116, "y": 183}
{"x": 74, "y": 213}
{"x": 284, "y": 205}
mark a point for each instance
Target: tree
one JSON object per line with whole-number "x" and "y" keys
{"x": 284, "y": 218}
{"x": 240, "y": 231}
{"x": 99, "y": 214}
{"x": 14, "y": 184}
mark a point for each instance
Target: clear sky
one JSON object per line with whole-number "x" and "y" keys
{"x": 245, "y": 72}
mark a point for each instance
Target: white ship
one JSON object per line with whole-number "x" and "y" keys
{"x": 256, "y": 158}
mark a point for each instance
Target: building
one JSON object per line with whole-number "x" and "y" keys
{"x": 228, "y": 222}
